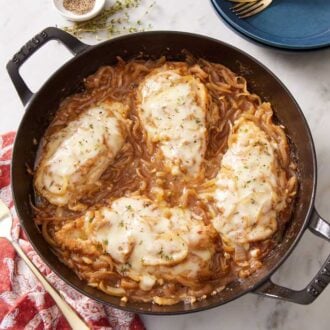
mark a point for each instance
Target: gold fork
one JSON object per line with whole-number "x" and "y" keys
{"x": 246, "y": 8}
{"x": 5, "y": 224}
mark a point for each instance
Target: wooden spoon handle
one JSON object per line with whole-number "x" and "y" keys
{"x": 73, "y": 319}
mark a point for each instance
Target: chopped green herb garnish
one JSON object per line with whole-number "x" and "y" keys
{"x": 180, "y": 101}
{"x": 164, "y": 255}
{"x": 125, "y": 267}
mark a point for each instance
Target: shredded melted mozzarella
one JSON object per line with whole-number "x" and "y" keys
{"x": 76, "y": 156}
{"x": 172, "y": 109}
{"x": 246, "y": 193}
{"x": 142, "y": 236}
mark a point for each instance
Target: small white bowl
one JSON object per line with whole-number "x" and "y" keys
{"x": 98, "y": 6}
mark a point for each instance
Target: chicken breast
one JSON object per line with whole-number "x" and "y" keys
{"x": 248, "y": 192}
{"x": 172, "y": 109}
{"x": 74, "y": 158}
{"x": 147, "y": 241}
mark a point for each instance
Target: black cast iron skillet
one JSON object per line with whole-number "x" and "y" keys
{"x": 87, "y": 59}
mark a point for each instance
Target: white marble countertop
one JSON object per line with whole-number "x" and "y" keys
{"x": 307, "y": 75}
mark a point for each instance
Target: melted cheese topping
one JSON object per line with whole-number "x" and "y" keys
{"x": 69, "y": 168}
{"x": 149, "y": 241}
{"x": 172, "y": 109}
{"x": 247, "y": 186}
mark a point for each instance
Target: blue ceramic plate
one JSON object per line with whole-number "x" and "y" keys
{"x": 289, "y": 24}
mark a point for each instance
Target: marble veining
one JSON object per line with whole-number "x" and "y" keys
{"x": 307, "y": 75}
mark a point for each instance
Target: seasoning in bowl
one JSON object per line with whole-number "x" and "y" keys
{"x": 79, "y": 7}
{"x": 79, "y": 10}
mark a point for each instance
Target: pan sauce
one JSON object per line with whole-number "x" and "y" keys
{"x": 181, "y": 204}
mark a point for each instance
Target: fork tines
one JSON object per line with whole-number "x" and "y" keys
{"x": 248, "y": 8}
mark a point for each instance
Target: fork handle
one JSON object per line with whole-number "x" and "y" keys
{"x": 73, "y": 319}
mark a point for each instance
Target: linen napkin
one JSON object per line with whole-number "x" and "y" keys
{"x": 24, "y": 304}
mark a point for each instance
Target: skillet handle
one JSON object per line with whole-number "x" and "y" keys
{"x": 321, "y": 228}
{"x": 51, "y": 33}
